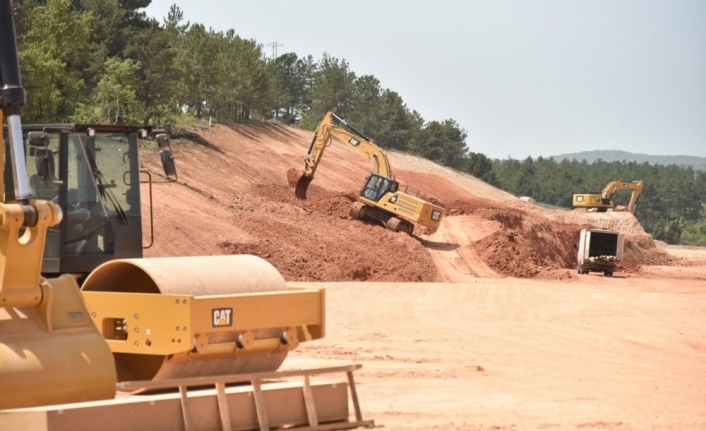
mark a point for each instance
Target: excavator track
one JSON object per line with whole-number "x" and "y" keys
{"x": 398, "y": 225}
{"x": 357, "y": 211}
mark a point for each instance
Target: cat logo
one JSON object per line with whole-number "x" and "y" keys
{"x": 222, "y": 317}
{"x": 435, "y": 215}
{"x": 354, "y": 142}
{"x": 393, "y": 199}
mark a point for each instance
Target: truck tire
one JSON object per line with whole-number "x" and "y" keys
{"x": 608, "y": 273}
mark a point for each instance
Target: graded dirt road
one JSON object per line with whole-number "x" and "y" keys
{"x": 483, "y": 324}
{"x": 627, "y": 353}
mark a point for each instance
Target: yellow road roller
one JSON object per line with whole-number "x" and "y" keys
{"x": 80, "y": 309}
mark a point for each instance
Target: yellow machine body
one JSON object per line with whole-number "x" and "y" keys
{"x": 206, "y": 315}
{"x": 382, "y": 198}
{"x": 399, "y": 201}
{"x": 135, "y": 319}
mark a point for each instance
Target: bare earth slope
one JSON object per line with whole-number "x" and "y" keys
{"x": 497, "y": 332}
{"x": 232, "y": 197}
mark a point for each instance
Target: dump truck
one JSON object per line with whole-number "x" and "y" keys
{"x": 80, "y": 308}
{"x": 601, "y": 202}
{"x": 599, "y": 250}
{"x": 382, "y": 199}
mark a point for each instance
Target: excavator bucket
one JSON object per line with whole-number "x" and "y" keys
{"x": 300, "y": 181}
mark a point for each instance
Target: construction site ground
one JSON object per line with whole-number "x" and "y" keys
{"x": 484, "y": 324}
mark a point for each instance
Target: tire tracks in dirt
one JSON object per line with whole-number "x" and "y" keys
{"x": 451, "y": 248}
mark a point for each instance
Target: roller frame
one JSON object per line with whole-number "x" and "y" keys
{"x": 179, "y": 324}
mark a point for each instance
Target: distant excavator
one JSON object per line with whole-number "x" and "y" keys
{"x": 381, "y": 199}
{"x": 601, "y": 202}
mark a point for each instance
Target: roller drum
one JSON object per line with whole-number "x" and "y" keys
{"x": 198, "y": 276}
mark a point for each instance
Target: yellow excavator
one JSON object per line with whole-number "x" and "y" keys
{"x": 601, "y": 202}
{"x": 80, "y": 309}
{"x": 382, "y": 199}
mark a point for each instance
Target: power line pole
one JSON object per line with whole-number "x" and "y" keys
{"x": 274, "y": 46}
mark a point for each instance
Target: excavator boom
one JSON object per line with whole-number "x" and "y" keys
{"x": 334, "y": 127}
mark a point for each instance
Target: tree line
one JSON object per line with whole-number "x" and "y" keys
{"x": 104, "y": 61}
{"x": 671, "y": 207}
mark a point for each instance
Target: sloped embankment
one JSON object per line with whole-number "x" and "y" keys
{"x": 232, "y": 197}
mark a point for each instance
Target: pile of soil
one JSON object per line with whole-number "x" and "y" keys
{"x": 314, "y": 240}
{"x": 232, "y": 197}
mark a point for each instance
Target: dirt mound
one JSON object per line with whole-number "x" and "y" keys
{"x": 313, "y": 239}
{"x": 528, "y": 245}
{"x": 232, "y": 197}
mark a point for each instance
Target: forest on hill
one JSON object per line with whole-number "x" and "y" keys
{"x": 685, "y": 162}
{"x": 105, "y": 61}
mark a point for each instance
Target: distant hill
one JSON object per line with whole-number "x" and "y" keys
{"x": 698, "y": 163}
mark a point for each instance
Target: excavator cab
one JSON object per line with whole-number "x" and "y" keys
{"x": 92, "y": 173}
{"x": 376, "y": 186}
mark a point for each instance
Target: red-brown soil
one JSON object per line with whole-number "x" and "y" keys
{"x": 497, "y": 331}
{"x": 232, "y": 197}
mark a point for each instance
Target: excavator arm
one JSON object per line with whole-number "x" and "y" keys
{"x": 330, "y": 127}
{"x": 635, "y": 186}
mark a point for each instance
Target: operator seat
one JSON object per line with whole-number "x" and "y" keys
{"x": 42, "y": 184}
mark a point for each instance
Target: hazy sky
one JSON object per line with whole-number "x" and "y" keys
{"x": 523, "y": 78}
